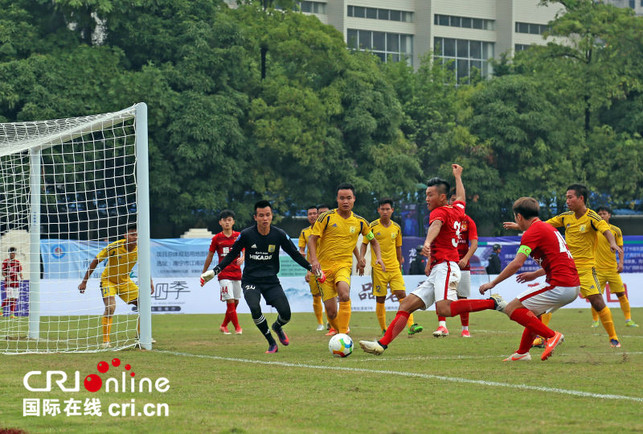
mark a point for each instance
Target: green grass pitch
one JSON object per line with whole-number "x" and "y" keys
{"x": 225, "y": 383}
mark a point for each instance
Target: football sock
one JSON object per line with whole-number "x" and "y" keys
{"x": 545, "y": 318}
{"x": 344, "y": 316}
{"x": 464, "y": 320}
{"x": 526, "y": 341}
{"x": 333, "y": 323}
{"x": 594, "y": 314}
{"x": 12, "y": 305}
{"x": 459, "y": 307}
{"x": 317, "y": 308}
{"x": 231, "y": 314}
{"x": 107, "y": 327}
{"x": 395, "y": 327}
{"x": 526, "y": 318}
{"x": 411, "y": 320}
{"x": 606, "y": 318}
{"x": 226, "y": 318}
{"x": 279, "y": 323}
{"x": 262, "y": 325}
{"x": 380, "y": 312}
{"x": 625, "y": 307}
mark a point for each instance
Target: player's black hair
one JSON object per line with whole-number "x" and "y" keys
{"x": 12, "y": 250}
{"x": 262, "y": 204}
{"x": 579, "y": 190}
{"x": 452, "y": 191}
{"x": 226, "y": 213}
{"x": 131, "y": 227}
{"x": 442, "y": 186}
{"x": 311, "y": 207}
{"x": 385, "y": 201}
{"x": 604, "y": 208}
{"x": 527, "y": 207}
{"x": 323, "y": 205}
{"x": 345, "y": 186}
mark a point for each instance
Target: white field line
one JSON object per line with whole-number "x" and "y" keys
{"x": 413, "y": 375}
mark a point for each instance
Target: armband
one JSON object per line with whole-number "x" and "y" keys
{"x": 525, "y": 250}
{"x": 370, "y": 236}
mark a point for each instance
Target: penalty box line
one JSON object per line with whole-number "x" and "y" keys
{"x": 412, "y": 375}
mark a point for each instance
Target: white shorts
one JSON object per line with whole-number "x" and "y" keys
{"x": 441, "y": 284}
{"x": 544, "y": 298}
{"x": 464, "y": 287}
{"x": 230, "y": 289}
{"x": 12, "y": 291}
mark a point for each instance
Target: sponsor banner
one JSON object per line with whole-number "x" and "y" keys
{"x": 185, "y": 295}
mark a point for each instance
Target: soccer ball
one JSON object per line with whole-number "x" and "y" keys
{"x": 341, "y": 345}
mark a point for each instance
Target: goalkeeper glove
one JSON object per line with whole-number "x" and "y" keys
{"x": 209, "y": 275}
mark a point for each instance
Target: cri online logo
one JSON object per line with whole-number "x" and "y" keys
{"x": 93, "y": 382}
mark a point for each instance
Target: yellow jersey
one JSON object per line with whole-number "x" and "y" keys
{"x": 605, "y": 258}
{"x": 338, "y": 237}
{"x": 581, "y": 235}
{"x": 303, "y": 240}
{"x": 119, "y": 261}
{"x": 389, "y": 239}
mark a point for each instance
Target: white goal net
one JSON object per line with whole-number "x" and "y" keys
{"x": 73, "y": 196}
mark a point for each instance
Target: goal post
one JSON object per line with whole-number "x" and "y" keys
{"x": 71, "y": 189}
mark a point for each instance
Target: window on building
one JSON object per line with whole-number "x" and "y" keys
{"x": 387, "y": 46}
{"x": 379, "y": 14}
{"x": 465, "y": 57}
{"x": 313, "y": 7}
{"x": 531, "y": 28}
{"x": 465, "y": 22}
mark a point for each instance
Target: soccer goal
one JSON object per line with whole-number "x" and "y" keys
{"x": 69, "y": 190}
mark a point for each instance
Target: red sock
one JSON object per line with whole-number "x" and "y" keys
{"x": 12, "y": 305}
{"x": 232, "y": 315}
{"x": 464, "y": 306}
{"x": 226, "y": 319}
{"x": 395, "y": 327}
{"x": 441, "y": 318}
{"x": 526, "y": 341}
{"x": 526, "y": 318}
{"x": 5, "y": 302}
{"x": 464, "y": 319}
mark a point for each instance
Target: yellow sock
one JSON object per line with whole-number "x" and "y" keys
{"x": 594, "y": 314}
{"x": 344, "y": 316}
{"x": 333, "y": 323}
{"x": 107, "y": 327}
{"x": 545, "y": 318}
{"x": 380, "y": 312}
{"x": 317, "y": 307}
{"x": 606, "y": 319}
{"x": 625, "y": 307}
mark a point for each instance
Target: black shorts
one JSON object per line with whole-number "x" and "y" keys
{"x": 271, "y": 292}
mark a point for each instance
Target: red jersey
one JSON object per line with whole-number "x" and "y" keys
{"x": 468, "y": 232}
{"x": 548, "y": 248}
{"x": 222, "y": 245}
{"x": 11, "y": 270}
{"x": 445, "y": 246}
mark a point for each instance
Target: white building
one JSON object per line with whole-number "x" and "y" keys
{"x": 470, "y": 32}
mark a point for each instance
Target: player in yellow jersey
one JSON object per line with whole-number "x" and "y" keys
{"x": 389, "y": 236}
{"x": 608, "y": 269}
{"x": 337, "y": 231}
{"x": 121, "y": 256}
{"x": 311, "y": 214}
{"x": 582, "y": 226}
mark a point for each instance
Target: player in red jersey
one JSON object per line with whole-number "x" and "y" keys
{"x": 467, "y": 246}
{"x": 441, "y": 249}
{"x": 546, "y": 246}
{"x": 12, "y": 273}
{"x": 230, "y": 277}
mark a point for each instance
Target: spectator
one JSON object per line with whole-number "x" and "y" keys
{"x": 495, "y": 265}
{"x": 418, "y": 265}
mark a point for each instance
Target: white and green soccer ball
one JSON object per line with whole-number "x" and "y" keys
{"x": 341, "y": 345}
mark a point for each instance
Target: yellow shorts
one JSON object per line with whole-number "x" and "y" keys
{"x": 333, "y": 276}
{"x": 383, "y": 279}
{"x": 127, "y": 290}
{"x": 589, "y": 282}
{"x": 314, "y": 286}
{"x": 612, "y": 277}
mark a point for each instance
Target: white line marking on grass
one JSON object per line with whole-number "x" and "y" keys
{"x": 412, "y": 374}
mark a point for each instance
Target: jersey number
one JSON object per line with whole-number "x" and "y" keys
{"x": 456, "y": 226}
{"x": 563, "y": 245}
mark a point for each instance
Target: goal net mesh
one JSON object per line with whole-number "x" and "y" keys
{"x": 68, "y": 190}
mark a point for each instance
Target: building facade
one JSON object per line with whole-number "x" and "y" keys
{"x": 468, "y": 32}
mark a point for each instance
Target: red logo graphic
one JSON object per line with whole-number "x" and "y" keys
{"x": 93, "y": 382}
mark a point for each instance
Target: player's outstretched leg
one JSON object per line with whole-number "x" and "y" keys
{"x": 283, "y": 317}
{"x": 253, "y": 298}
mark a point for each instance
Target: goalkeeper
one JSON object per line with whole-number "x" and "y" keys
{"x": 121, "y": 256}
{"x": 262, "y": 242}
